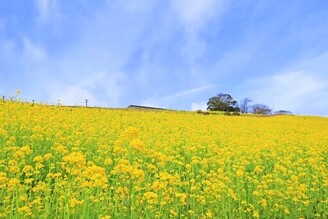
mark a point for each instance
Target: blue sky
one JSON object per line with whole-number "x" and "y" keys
{"x": 173, "y": 54}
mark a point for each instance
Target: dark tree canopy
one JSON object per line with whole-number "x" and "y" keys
{"x": 222, "y": 102}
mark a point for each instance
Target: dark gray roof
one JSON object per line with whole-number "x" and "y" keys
{"x": 144, "y": 107}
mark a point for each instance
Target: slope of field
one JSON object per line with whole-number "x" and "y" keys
{"x": 60, "y": 162}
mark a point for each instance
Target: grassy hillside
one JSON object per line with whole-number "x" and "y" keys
{"x": 62, "y": 162}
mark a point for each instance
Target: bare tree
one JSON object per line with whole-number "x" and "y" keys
{"x": 261, "y": 109}
{"x": 283, "y": 112}
{"x": 244, "y": 105}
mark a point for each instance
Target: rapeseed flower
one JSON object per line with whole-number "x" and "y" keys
{"x": 87, "y": 162}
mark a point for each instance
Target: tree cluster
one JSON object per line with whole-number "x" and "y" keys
{"x": 222, "y": 102}
{"x": 225, "y": 102}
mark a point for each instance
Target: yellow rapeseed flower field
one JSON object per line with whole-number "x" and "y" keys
{"x": 65, "y": 162}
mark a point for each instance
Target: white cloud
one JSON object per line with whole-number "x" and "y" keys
{"x": 114, "y": 85}
{"x": 305, "y": 83}
{"x": 193, "y": 49}
{"x": 91, "y": 67}
{"x": 73, "y": 95}
{"x": 101, "y": 89}
{"x": 194, "y": 16}
{"x": 194, "y": 13}
{"x": 82, "y": 73}
{"x": 297, "y": 91}
{"x": 199, "y": 106}
{"x": 31, "y": 51}
{"x": 47, "y": 9}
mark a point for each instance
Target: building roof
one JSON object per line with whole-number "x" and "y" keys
{"x": 144, "y": 107}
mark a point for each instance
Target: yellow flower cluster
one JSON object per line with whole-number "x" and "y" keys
{"x": 71, "y": 162}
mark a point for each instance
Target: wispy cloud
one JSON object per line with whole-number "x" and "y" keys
{"x": 48, "y": 9}
{"x": 188, "y": 92}
{"x": 31, "y": 51}
{"x": 297, "y": 91}
{"x": 133, "y": 5}
{"x": 194, "y": 17}
{"x": 117, "y": 52}
{"x": 195, "y": 14}
{"x": 168, "y": 100}
{"x": 88, "y": 67}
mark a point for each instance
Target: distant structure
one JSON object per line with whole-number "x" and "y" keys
{"x": 144, "y": 107}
